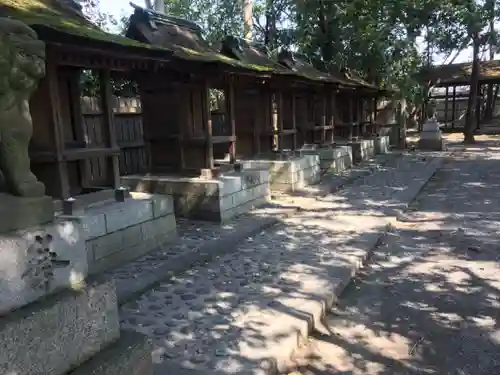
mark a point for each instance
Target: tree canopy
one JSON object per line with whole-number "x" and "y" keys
{"x": 380, "y": 39}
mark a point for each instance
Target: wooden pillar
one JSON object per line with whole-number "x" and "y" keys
{"x": 231, "y": 119}
{"x": 279, "y": 108}
{"x": 57, "y": 124}
{"x": 446, "y": 107}
{"x": 108, "y": 122}
{"x": 453, "y": 107}
{"x": 333, "y": 103}
{"x": 77, "y": 121}
{"x": 294, "y": 121}
{"x": 207, "y": 119}
{"x": 351, "y": 116}
{"x": 324, "y": 117}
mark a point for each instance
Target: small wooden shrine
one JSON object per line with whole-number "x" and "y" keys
{"x": 314, "y": 102}
{"x": 265, "y": 118}
{"x": 68, "y": 157}
{"x": 357, "y": 105}
{"x": 178, "y": 121}
{"x": 450, "y": 85}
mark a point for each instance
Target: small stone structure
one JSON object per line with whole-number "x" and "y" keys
{"x": 116, "y": 232}
{"x": 332, "y": 159}
{"x": 287, "y": 173}
{"x": 362, "y": 149}
{"x": 382, "y": 144}
{"x": 431, "y": 137}
{"x": 215, "y": 199}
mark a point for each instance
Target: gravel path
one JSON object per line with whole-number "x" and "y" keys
{"x": 234, "y": 314}
{"x": 430, "y": 299}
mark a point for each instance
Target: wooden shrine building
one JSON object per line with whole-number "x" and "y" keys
{"x": 265, "y": 121}
{"x": 68, "y": 157}
{"x": 178, "y": 121}
{"x": 357, "y": 105}
{"x": 314, "y": 104}
{"x": 450, "y": 84}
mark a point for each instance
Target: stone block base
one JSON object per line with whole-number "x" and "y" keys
{"x": 431, "y": 144}
{"x": 382, "y": 144}
{"x": 41, "y": 260}
{"x": 130, "y": 355}
{"x": 220, "y": 199}
{"x": 362, "y": 149}
{"x": 287, "y": 174}
{"x": 333, "y": 159}
{"x": 117, "y": 232}
{"x": 57, "y": 334}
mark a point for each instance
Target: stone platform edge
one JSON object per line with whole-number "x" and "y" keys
{"x": 117, "y": 232}
{"x": 217, "y": 200}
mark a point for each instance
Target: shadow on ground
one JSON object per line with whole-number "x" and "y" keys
{"x": 430, "y": 300}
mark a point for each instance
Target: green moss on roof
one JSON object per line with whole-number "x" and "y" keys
{"x": 46, "y": 13}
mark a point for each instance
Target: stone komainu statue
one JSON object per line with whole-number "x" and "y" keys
{"x": 22, "y": 65}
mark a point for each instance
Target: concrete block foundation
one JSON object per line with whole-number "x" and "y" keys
{"x": 362, "y": 149}
{"x": 220, "y": 199}
{"x": 382, "y": 144}
{"x": 332, "y": 159}
{"x": 54, "y": 335}
{"x": 117, "y": 232}
{"x": 287, "y": 173}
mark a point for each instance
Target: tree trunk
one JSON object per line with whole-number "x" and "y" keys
{"x": 488, "y": 113}
{"x": 326, "y": 42}
{"x": 470, "y": 120}
{"x": 270, "y": 29}
{"x": 247, "y": 19}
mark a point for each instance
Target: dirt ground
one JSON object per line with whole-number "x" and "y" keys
{"x": 428, "y": 302}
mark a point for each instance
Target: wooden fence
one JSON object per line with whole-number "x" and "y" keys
{"x": 128, "y": 129}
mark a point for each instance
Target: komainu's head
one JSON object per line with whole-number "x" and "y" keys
{"x": 22, "y": 60}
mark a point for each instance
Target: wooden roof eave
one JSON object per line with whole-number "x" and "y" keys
{"x": 92, "y": 58}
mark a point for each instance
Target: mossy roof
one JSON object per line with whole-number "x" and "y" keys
{"x": 253, "y": 53}
{"x": 354, "y": 77}
{"x": 300, "y": 65}
{"x": 459, "y": 74}
{"x": 52, "y": 14}
{"x": 182, "y": 37}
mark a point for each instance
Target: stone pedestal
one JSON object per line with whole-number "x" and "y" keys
{"x": 53, "y": 320}
{"x": 362, "y": 149}
{"x": 220, "y": 199}
{"x": 287, "y": 173}
{"x": 431, "y": 137}
{"x": 382, "y": 143}
{"x": 332, "y": 158}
